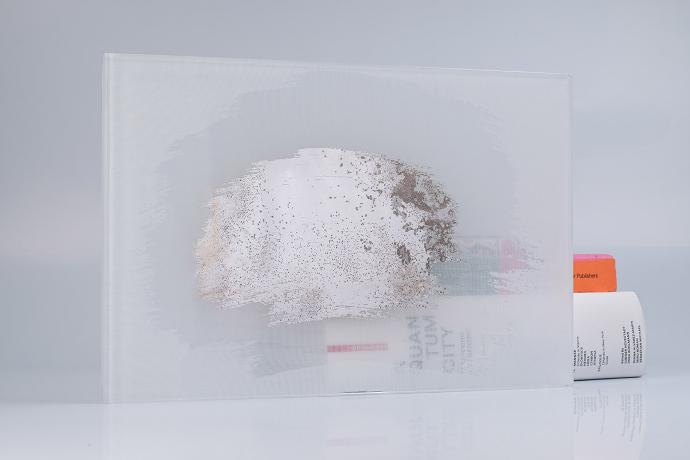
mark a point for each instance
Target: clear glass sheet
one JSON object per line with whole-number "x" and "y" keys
{"x": 305, "y": 229}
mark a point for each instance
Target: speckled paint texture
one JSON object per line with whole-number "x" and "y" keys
{"x": 327, "y": 233}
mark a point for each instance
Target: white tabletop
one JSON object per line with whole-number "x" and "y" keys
{"x": 609, "y": 419}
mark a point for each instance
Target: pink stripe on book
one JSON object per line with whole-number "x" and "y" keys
{"x": 345, "y": 348}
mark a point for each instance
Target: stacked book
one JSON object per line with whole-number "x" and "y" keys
{"x": 609, "y": 339}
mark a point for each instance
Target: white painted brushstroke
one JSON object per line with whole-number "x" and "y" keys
{"x": 327, "y": 233}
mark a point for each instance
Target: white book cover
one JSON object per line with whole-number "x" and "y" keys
{"x": 279, "y": 228}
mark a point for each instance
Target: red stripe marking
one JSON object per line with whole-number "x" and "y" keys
{"x": 345, "y": 348}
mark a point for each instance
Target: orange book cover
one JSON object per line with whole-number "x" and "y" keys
{"x": 594, "y": 273}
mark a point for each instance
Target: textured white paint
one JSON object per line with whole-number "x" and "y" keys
{"x": 327, "y": 233}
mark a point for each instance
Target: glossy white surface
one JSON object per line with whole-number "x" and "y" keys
{"x": 609, "y": 419}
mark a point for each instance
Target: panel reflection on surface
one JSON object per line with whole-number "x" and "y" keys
{"x": 604, "y": 419}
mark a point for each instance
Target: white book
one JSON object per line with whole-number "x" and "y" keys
{"x": 610, "y": 336}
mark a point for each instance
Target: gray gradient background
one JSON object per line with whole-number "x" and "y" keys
{"x": 631, "y": 120}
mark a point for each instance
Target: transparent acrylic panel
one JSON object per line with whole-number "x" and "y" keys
{"x": 300, "y": 229}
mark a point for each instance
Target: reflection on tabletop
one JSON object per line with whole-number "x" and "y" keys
{"x": 595, "y": 419}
